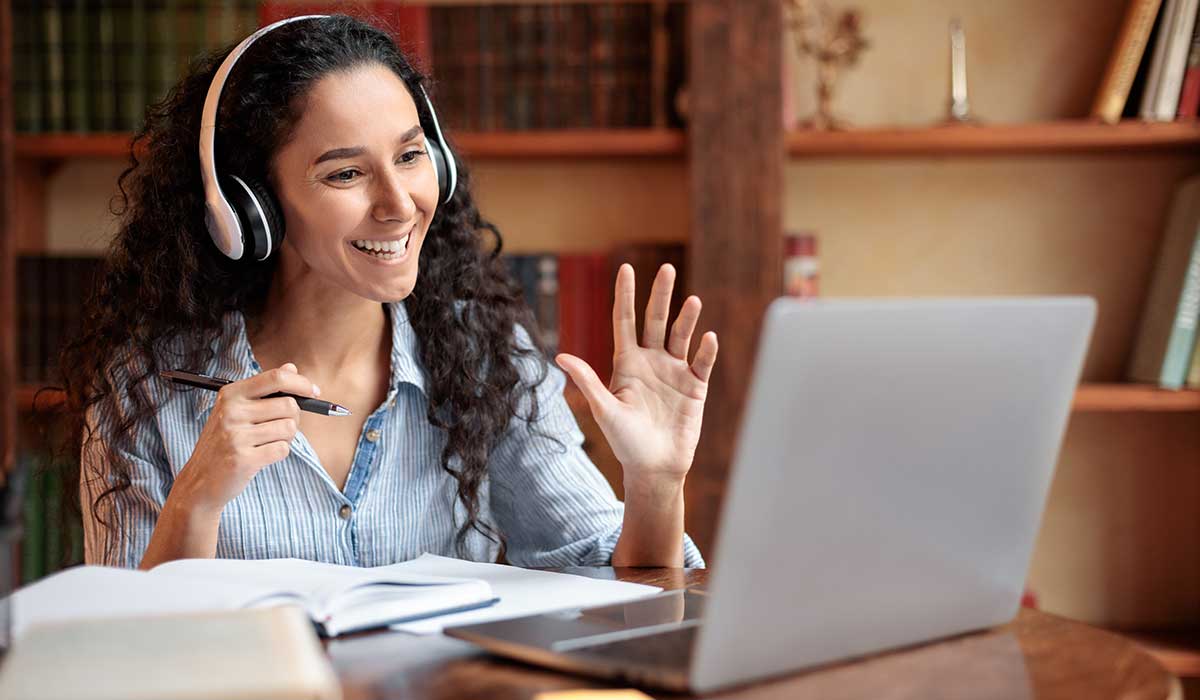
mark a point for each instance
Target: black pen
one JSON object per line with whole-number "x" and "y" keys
{"x": 203, "y": 381}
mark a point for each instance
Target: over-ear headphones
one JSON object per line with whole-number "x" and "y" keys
{"x": 242, "y": 215}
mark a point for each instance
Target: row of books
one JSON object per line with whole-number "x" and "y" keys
{"x": 83, "y": 66}
{"x": 95, "y": 66}
{"x": 50, "y": 293}
{"x": 1167, "y": 348}
{"x": 554, "y": 66}
{"x": 1154, "y": 71}
{"x": 49, "y": 542}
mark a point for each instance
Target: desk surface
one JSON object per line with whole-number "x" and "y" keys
{"x": 1035, "y": 656}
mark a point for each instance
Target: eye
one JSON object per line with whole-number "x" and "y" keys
{"x": 344, "y": 176}
{"x": 409, "y": 157}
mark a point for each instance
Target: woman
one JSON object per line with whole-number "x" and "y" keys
{"x": 381, "y": 298}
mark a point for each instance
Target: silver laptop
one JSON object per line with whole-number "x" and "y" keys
{"x": 888, "y": 483}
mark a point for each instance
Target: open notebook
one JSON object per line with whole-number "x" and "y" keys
{"x": 338, "y": 599}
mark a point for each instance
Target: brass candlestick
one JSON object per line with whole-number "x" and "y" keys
{"x": 835, "y": 41}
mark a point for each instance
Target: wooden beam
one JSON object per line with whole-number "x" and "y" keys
{"x": 8, "y": 267}
{"x": 736, "y": 151}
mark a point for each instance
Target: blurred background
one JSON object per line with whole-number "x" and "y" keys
{"x": 604, "y": 131}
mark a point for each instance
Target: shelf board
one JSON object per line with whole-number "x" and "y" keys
{"x": 577, "y": 143}
{"x": 1177, "y": 650}
{"x": 1089, "y": 398}
{"x": 48, "y": 400}
{"x": 64, "y": 146}
{"x": 1134, "y": 397}
{"x": 1047, "y": 137}
{"x": 956, "y": 139}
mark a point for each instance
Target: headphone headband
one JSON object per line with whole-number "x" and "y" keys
{"x": 222, "y": 221}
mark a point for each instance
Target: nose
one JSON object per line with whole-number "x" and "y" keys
{"x": 392, "y": 201}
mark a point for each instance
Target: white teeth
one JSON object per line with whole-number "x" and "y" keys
{"x": 385, "y": 248}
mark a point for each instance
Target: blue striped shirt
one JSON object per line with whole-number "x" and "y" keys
{"x": 552, "y": 504}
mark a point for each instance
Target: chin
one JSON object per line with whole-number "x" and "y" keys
{"x": 390, "y": 295}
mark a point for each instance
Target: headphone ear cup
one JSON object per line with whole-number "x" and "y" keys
{"x": 272, "y": 211}
{"x": 439, "y": 165}
{"x": 258, "y": 213}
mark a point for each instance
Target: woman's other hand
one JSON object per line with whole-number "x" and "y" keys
{"x": 652, "y": 409}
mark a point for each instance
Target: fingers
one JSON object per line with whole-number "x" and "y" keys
{"x": 283, "y": 378}
{"x": 658, "y": 308}
{"x": 585, "y": 378}
{"x": 281, "y": 430}
{"x": 681, "y": 331}
{"x": 657, "y": 312}
{"x": 706, "y": 357}
{"x": 265, "y": 410}
{"x": 624, "y": 320}
{"x": 270, "y": 453}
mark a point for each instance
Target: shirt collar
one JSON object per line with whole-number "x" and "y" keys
{"x": 234, "y": 359}
{"x": 406, "y": 352}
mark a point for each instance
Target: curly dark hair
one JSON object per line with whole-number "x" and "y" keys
{"x": 163, "y": 280}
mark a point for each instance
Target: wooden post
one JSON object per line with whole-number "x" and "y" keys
{"x": 736, "y": 152}
{"x": 8, "y": 265}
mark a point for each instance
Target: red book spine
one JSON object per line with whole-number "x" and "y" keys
{"x": 600, "y": 298}
{"x": 585, "y": 295}
{"x": 568, "y": 305}
{"x": 408, "y": 24}
{"x": 270, "y": 12}
{"x": 1189, "y": 97}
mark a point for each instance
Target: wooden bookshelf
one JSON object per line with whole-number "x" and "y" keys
{"x": 1177, "y": 650}
{"x": 1134, "y": 397}
{"x": 8, "y": 267}
{"x": 49, "y": 399}
{"x": 1051, "y": 137}
{"x": 70, "y": 146}
{"x": 573, "y": 143}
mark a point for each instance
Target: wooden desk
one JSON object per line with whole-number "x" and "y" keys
{"x": 1036, "y": 656}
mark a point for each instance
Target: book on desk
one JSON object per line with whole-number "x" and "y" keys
{"x": 338, "y": 599}
{"x": 418, "y": 596}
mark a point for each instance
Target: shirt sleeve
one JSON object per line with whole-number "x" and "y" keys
{"x": 131, "y": 513}
{"x": 548, "y": 498}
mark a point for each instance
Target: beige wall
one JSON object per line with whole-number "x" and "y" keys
{"x": 1027, "y": 60}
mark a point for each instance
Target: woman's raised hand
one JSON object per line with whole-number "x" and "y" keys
{"x": 652, "y": 409}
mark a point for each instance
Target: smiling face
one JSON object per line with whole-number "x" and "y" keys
{"x": 356, "y": 186}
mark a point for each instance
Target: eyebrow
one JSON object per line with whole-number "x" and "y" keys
{"x": 339, "y": 153}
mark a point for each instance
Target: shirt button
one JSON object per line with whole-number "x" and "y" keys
{"x": 345, "y": 512}
{"x": 372, "y": 435}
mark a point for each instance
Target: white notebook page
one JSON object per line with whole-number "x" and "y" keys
{"x": 521, "y": 591}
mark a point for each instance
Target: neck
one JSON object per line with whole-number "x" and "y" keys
{"x": 323, "y": 329}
